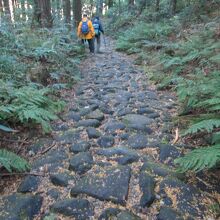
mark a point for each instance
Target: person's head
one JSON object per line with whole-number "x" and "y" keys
{"x": 97, "y": 17}
{"x": 84, "y": 15}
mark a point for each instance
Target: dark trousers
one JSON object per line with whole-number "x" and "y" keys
{"x": 91, "y": 44}
{"x": 98, "y": 41}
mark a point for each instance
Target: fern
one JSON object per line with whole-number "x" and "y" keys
{"x": 12, "y": 162}
{"x": 199, "y": 159}
{"x": 29, "y": 105}
{"x": 205, "y": 125}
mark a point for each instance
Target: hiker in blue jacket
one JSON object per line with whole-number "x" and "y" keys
{"x": 98, "y": 30}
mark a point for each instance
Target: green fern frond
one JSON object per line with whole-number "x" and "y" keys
{"x": 199, "y": 159}
{"x": 12, "y": 162}
{"x": 209, "y": 102}
{"x": 205, "y": 125}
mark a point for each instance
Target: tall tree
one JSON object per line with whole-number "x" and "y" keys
{"x": 157, "y": 5}
{"x": 99, "y": 7}
{"x": 7, "y": 10}
{"x": 173, "y": 6}
{"x": 42, "y": 13}
{"x": 130, "y": 3}
{"x": 23, "y": 9}
{"x": 91, "y": 7}
{"x": 77, "y": 11}
{"x": 141, "y": 5}
{"x": 110, "y": 3}
{"x": 67, "y": 11}
{"x": 1, "y": 6}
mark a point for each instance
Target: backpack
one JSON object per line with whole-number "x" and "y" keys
{"x": 85, "y": 27}
{"x": 95, "y": 24}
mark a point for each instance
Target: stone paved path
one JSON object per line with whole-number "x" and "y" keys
{"x": 112, "y": 158}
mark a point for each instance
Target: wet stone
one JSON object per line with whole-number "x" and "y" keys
{"x": 93, "y": 101}
{"x": 73, "y": 116}
{"x": 61, "y": 127}
{"x": 88, "y": 123}
{"x": 80, "y": 147}
{"x": 186, "y": 195}
{"x": 93, "y": 133}
{"x": 87, "y": 109}
{"x": 125, "y": 155}
{"x": 124, "y": 136}
{"x": 109, "y": 213}
{"x": 97, "y": 114}
{"x": 123, "y": 96}
{"x": 145, "y": 110}
{"x": 147, "y": 184}
{"x": 53, "y": 193}
{"x": 168, "y": 153}
{"x": 154, "y": 115}
{"x": 53, "y": 157}
{"x": 81, "y": 163}
{"x": 137, "y": 122}
{"x": 106, "y": 109}
{"x": 77, "y": 208}
{"x": 126, "y": 215}
{"x": 29, "y": 184}
{"x": 151, "y": 95}
{"x": 138, "y": 141}
{"x": 111, "y": 127}
{"x": 18, "y": 206}
{"x": 123, "y": 111}
{"x": 68, "y": 137}
{"x": 161, "y": 170}
{"x": 60, "y": 179}
{"x": 168, "y": 214}
{"x": 106, "y": 141}
{"x": 109, "y": 184}
{"x": 79, "y": 91}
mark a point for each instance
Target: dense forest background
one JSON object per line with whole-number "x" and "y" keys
{"x": 175, "y": 42}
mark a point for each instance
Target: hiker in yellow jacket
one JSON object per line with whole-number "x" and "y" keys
{"x": 86, "y": 32}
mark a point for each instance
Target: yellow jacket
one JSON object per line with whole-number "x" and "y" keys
{"x": 91, "y": 33}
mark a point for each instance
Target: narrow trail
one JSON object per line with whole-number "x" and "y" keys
{"x": 111, "y": 158}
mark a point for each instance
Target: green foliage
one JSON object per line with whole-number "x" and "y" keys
{"x": 29, "y": 105}
{"x": 12, "y": 162}
{"x": 144, "y": 35}
{"x": 204, "y": 125}
{"x": 186, "y": 61}
{"x": 199, "y": 159}
{"x": 32, "y": 60}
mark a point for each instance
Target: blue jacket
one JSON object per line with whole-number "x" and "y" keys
{"x": 97, "y": 25}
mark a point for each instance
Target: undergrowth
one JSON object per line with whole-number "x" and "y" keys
{"x": 35, "y": 65}
{"x": 183, "y": 55}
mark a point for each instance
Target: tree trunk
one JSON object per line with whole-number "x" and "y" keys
{"x": 173, "y": 7}
{"x": 119, "y": 6}
{"x": 130, "y": 2}
{"x": 141, "y": 5}
{"x": 77, "y": 11}
{"x": 7, "y": 10}
{"x": 23, "y": 10}
{"x": 99, "y": 7}
{"x": 67, "y": 11}
{"x": 42, "y": 13}
{"x": 110, "y": 3}
{"x": 1, "y": 7}
{"x": 58, "y": 8}
{"x": 157, "y": 5}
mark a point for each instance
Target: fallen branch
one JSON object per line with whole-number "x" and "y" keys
{"x": 15, "y": 141}
{"x": 47, "y": 149}
{"x": 176, "y": 136}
